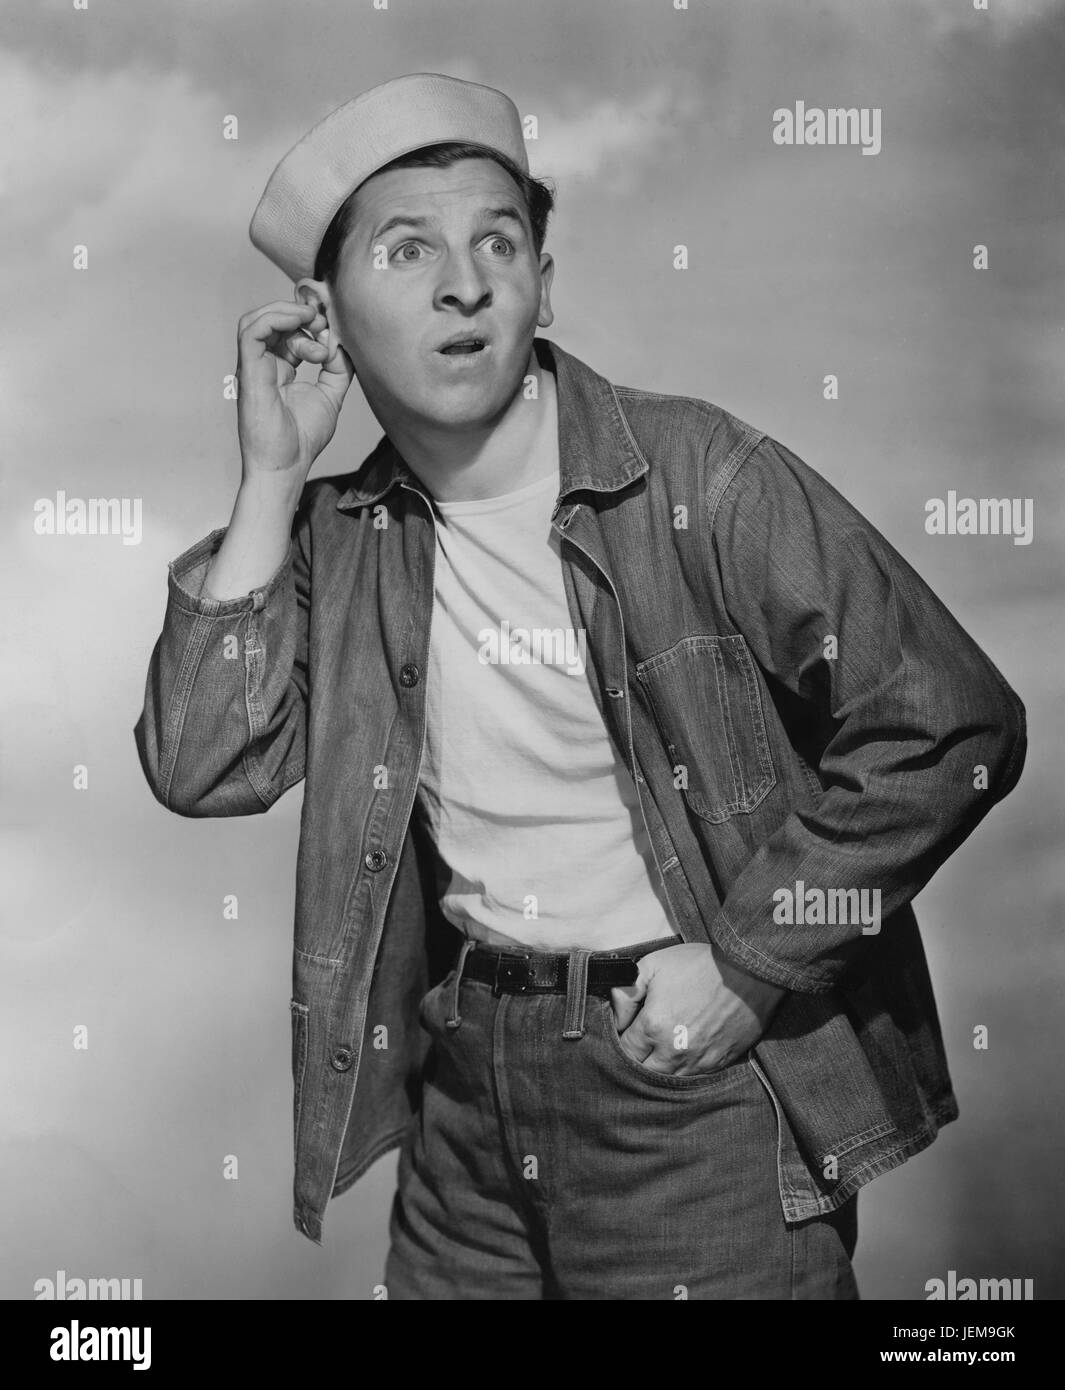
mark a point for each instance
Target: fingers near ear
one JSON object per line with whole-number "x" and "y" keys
{"x": 303, "y": 350}
{"x": 337, "y": 368}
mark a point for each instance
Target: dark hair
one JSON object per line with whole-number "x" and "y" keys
{"x": 539, "y": 197}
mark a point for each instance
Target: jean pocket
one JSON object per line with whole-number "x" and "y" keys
{"x": 705, "y": 696}
{"x": 300, "y": 1014}
{"x": 661, "y": 1080}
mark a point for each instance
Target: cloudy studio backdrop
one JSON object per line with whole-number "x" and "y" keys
{"x": 803, "y": 263}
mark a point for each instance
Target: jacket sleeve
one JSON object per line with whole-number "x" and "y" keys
{"x": 223, "y": 729}
{"x": 923, "y": 734}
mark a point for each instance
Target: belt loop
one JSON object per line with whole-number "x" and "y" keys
{"x": 576, "y": 993}
{"x": 454, "y": 1018}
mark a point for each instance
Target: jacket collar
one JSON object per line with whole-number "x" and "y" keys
{"x": 596, "y": 448}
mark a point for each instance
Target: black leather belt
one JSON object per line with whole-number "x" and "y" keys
{"x": 510, "y": 973}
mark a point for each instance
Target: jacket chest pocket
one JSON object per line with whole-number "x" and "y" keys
{"x": 706, "y": 701}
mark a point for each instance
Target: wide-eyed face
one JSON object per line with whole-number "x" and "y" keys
{"x": 439, "y": 292}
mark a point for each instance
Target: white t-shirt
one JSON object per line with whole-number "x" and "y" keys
{"x": 535, "y": 818}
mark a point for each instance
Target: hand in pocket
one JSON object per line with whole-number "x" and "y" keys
{"x": 691, "y": 1011}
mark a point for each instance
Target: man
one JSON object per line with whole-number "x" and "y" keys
{"x": 627, "y": 743}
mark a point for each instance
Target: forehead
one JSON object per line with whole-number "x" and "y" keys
{"x": 459, "y": 189}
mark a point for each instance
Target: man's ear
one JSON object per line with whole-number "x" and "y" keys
{"x": 308, "y": 291}
{"x": 316, "y": 292}
{"x": 546, "y": 316}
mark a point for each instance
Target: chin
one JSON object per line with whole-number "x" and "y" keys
{"x": 467, "y": 403}
{"x": 464, "y": 415}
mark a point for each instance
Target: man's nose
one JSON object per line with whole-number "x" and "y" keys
{"x": 462, "y": 281}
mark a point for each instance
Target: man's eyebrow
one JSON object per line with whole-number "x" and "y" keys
{"x": 505, "y": 211}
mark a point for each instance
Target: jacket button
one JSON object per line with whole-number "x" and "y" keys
{"x": 342, "y": 1058}
{"x": 376, "y": 859}
{"x": 409, "y": 675}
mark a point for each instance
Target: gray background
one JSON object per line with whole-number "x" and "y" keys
{"x": 656, "y": 125}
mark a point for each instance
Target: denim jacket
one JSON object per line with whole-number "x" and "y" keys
{"x": 709, "y": 568}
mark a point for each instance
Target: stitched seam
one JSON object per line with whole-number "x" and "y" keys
{"x": 179, "y": 705}
{"x": 254, "y": 660}
{"x": 300, "y": 1019}
{"x": 866, "y": 1136}
{"x": 747, "y": 800}
{"x": 318, "y": 960}
{"x": 718, "y": 485}
{"x": 758, "y": 793}
{"x": 625, "y": 425}
{"x": 705, "y": 407}
{"x": 795, "y": 978}
{"x": 213, "y": 615}
{"x": 874, "y": 1168}
{"x": 787, "y": 1191}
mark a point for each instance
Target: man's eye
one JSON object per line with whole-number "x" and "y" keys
{"x": 505, "y": 240}
{"x": 401, "y": 251}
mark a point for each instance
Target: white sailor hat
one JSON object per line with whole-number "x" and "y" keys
{"x": 354, "y": 141}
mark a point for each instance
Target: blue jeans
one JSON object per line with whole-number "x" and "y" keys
{"x": 542, "y": 1166}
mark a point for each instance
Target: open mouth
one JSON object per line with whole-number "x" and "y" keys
{"x": 463, "y": 346}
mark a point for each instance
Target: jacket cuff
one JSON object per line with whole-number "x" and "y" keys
{"x": 188, "y": 573}
{"x": 770, "y": 968}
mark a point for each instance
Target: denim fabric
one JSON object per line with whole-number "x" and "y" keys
{"x": 547, "y": 1167}
{"x": 707, "y": 565}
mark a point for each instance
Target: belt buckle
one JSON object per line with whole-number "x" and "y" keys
{"x": 515, "y": 970}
